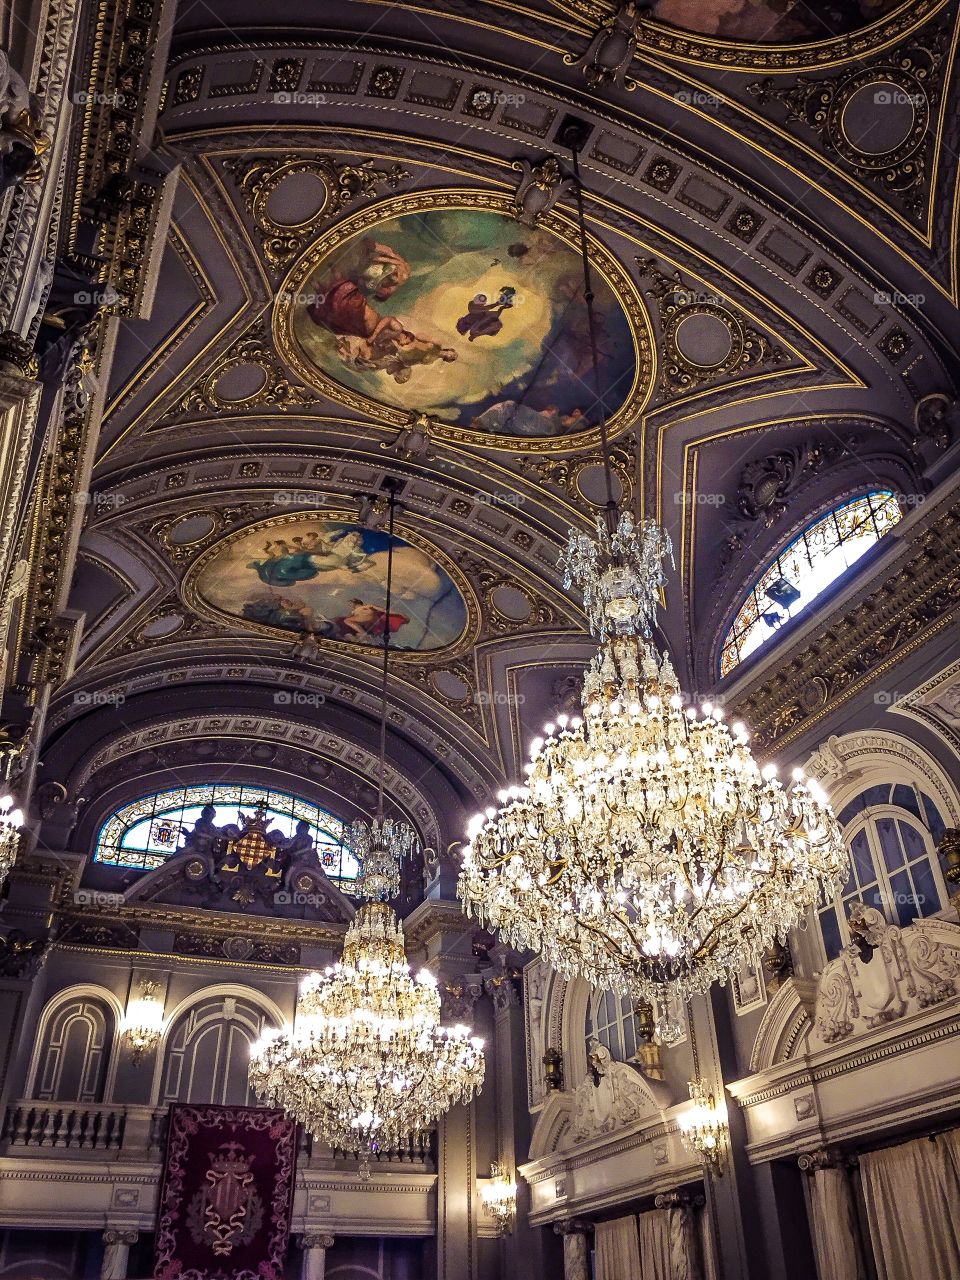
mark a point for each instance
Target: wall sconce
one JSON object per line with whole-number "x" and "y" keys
{"x": 11, "y": 821}
{"x": 553, "y": 1070}
{"x": 704, "y": 1128}
{"x": 144, "y": 1020}
{"x": 499, "y": 1195}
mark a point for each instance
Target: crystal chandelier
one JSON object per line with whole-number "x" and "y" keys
{"x": 367, "y": 1062}
{"x": 11, "y": 822}
{"x": 382, "y": 844}
{"x": 646, "y": 848}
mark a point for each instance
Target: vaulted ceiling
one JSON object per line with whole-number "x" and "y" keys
{"x": 774, "y": 237}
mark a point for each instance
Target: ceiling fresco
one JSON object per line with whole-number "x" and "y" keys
{"x": 326, "y": 579}
{"x": 371, "y": 277}
{"x": 462, "y": 314}
{"x": 772, "y": 21}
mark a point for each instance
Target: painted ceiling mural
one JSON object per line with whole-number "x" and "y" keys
{"x": 327, "y": 579}
{"x": 465, "y": 315}
{"x": 773, "y": 21}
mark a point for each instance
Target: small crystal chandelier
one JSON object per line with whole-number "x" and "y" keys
{"x": 646, "y": 849}
{"x": 704, "y": 1128}
{"x": 382, "y": 844}
{"x": 11, "y": 823}
{"x": 499, "y": 1196}
{"x": 143, "y": 1022}
{"x": 367, "y": 1063}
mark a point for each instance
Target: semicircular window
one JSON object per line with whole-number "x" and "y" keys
{"x": 145, "y": 833}
{"x": 805, "y": 568}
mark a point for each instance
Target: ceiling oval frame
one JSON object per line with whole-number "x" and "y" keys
{"x": 563, "y": 228}
{"x": 466, "y": 641}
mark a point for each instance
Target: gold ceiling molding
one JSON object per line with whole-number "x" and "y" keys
{"x": 252, "y": 351}
{"x": 696, "y": 48}
{"x": 748, "y": 349}
{"x": 220, "y": 518}
{"x": 561, "y": 226}
{"x": 303, "y": 733}
{"x": 819, "y": 104}
{"x": 261, "y": 178}
{"x": 849, "y": 651}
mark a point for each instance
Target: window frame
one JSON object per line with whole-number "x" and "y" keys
{"x": 733, "y": 635}
{"x": 195, "y": 795}
{"x": 865, "y": 820}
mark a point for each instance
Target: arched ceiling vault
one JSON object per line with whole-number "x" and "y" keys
{"x": 786, "y": 293}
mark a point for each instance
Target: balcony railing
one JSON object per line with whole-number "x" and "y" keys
{"x": 139, "y": 1132}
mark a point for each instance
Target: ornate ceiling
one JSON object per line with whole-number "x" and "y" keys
{"x": 774, "y": 237}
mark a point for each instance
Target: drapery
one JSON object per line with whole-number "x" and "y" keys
{"x": 708, "y": 1252}
{"x": 836, "y": 1235}
{"x": 617, "y": 1253}
{"x": 655, "y": 1253}
{"x": 911, "y": 1193}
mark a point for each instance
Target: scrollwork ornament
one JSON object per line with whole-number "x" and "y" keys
{"x": 345, "y": 184}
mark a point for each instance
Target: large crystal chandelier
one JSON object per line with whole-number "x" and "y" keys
{"x": 11, "y": 822}
{"x": 646, "y": 848}
{"x": 367, "y": 1063}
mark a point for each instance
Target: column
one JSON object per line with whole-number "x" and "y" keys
{"x": 115, "y": 1253}
{"x": 314, "y": 1248}
{"x": 576, "y": 1248}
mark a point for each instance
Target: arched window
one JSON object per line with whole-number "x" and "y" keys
{"x": 805, "y": 568}
{"x": 75, "y": 1042}
{"x": 207, "y": 1052}
{"x": 611, "y": 1019}
{"x": 892, "y": 833}
{"x": 148, "y": 831}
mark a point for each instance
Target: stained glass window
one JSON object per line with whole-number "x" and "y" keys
{"x": 807, "y": 567}
{"x": 891, "y": 833}
{"x": 145, "y": 833}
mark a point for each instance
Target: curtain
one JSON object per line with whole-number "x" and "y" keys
{"x": 708, "y": 1253}
{"x": 911, "y": 1194}
{"x": 836, "y": 1236}
{"x": 617, "y": 1255}
{"x": 655, "y": 1253}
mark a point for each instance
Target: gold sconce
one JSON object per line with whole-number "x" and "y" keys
{"x": 144, "y": 1020}
{"x": 704, "y": 1128}
{"x": 499, "y": 1195}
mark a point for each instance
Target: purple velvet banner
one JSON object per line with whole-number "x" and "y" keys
{"x": 226, "y": 1196}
